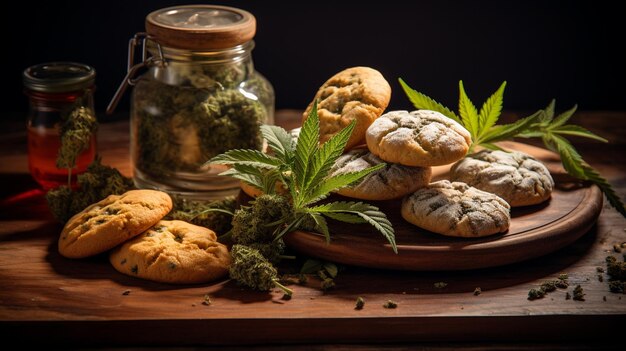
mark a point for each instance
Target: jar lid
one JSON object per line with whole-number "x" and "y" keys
{"x": 59, "y": 77}
{"x": 200, "y": 27}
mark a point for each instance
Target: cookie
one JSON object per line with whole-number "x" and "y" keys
{"x": 391, "y": 182}
{"x": 358, "y": 93}
{"x": 516, "y": 177}
{"x": 421, "y": 138}
{"x": 174, "y": 252}
{"x": 456, "y": 209}
{"x": 110, "y": 222}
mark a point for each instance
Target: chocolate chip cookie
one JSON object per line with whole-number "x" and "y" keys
{"x": 110, "y": 222}
{"x": 174, "y": 252}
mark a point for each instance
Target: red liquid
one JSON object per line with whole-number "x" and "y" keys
{"x": 43, "y": 148}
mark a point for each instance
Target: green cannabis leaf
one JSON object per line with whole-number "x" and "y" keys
{"x": 303, "y": 167}
{"x": 426, "y": 103}
{"x": 541, "y": 124}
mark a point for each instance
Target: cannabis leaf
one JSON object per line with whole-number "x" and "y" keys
{"x": 303, "y": 167}
{"x": 358, "y": 212}
{"x": 552, "y": 130}
{"x": 541, "y": 124}
{"x": 426, "y": 103}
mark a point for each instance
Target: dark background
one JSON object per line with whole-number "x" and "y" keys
{"x": 569, "y": 50}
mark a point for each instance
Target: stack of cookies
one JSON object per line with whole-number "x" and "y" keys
{"x": 143, "y": 245}
{"x": 484, "y": 185}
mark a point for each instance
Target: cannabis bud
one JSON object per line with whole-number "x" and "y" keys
{"x": 250, "y": 268}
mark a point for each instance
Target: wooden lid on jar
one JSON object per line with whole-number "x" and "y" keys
{"x": 201, "y": 27}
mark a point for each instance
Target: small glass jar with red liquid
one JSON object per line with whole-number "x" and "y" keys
{"x": 54, "y": 90}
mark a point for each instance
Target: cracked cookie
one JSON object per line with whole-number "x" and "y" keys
{"x": 420, "y": 138}
{"x": 391, "y": 182}
{"x": 110, "y": 222}
{"x": 456, "y": 209}
{"x": 516, "y": 177}
{"x": 173, "y": 252}
{"x": 357, "y": 93}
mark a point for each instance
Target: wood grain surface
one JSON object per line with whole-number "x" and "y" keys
{"x": 50, "y": 300}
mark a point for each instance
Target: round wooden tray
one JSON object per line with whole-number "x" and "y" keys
{"x": 534, "y": 231}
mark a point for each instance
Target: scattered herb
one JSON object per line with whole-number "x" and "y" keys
{"x": 440, "y": 285}
{"x": 599, "y": 269}
{"x": 561, "y": 283}
{"x": 326, "y": 271}
{"x": 548, "y": 286}
{"x": 542, "y": 124}
{"x": 616, "y": 270}
{"x": 303, "y": 167}
{"x": 604, "y": 298}
{"x": 568, "y": 296}
{"x": 534, "y": 294}
{"x": 578, "y": 293}
{"x": 250, "y": 268}
{"x": 617, "y": 286}
{"x": 207, "y": 300}
{"x": 617, "y": 274}
{"x": 477, "y": 291}
{"x": 98, "y": 182}
{"x": 327, "y": 284}
{"x": 314, "y": 266}
{"x": 360, "y": 303}
{"x": 327, "y": 281}
{"x": 126, "y": 292}
{"x": 600, "y": 278}
{"x": 390, "y": 304}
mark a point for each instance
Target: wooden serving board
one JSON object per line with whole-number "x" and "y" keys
{"x": 534, "y": 231}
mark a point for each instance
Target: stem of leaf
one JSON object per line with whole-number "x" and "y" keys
{"x": 283, "y": 288}
{"x": 291, "y": 227}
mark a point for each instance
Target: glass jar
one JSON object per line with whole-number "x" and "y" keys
{"x": 200, "y": 97}
{"x": 60, "y": 106}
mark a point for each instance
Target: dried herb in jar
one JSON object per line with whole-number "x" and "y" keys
{"x": 180, "y": 127}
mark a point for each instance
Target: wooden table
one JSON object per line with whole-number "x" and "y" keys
{"x": 45, "y": 298}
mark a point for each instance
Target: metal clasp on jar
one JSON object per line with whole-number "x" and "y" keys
{"x": 133, "y": 68}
